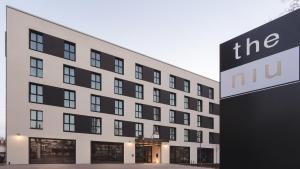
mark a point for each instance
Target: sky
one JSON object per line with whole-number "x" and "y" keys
{"x": 185, "y": 33}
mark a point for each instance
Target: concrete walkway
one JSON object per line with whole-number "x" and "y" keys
{"x": 99, "y": 166}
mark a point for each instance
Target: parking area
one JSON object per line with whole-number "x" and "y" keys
{"x": 100, "y": 166}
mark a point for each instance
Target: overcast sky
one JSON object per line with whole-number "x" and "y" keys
{"x": 185, "y": 33}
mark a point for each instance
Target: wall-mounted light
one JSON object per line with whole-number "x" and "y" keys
{"x": 165, "y": 146}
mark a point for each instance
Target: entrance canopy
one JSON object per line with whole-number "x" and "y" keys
{"x": 149, "y": 141}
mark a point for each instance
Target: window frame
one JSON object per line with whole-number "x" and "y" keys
{"x": 172, "y": 100}
{"x": 173, "y": 136}
{"x": 199, "y": 136}
{"x": 95, "y": 82}
{"x": 119, "y": 68}
{"x": 69, "y": 99}
{"x": 139, "y": 91}
{"x": 94, "y": 103}
{"x": 68, "y": 51}
{"x": 37, "y": 120}
{"x": 118, "y": 128}
{"x": 94, "y": 126}
{"x": 186, "y": 119}
{"x": 139, "y": 129}
{"x": 211, "y": 93}
{"x": 37, "y": 95}
{"x": 157, "y": 77}
{"x": 138, "y": 71}
{"x": 186, "y": 134}
{"x": 138, "y": 110}
{"x": 199, "y": 105}
{"x": 118, "y": 87}
{"x": 36, "y": 42}
{"x": 156, "y": 95}
{"x": 186, "y": 86}
{"x": 186, "y": 102}
{"x": 117, "y": 108}
{"x": 171, "y": 83}
{"x": 172, "y": 117}
{"x": 69, "y": 123}
{"x": 199, "y": 89}
{"x": 156, "y": 113}
{"x": 36, "y": 68}
{"x": 94, "y": 58}
{"x": 68, "y": 77}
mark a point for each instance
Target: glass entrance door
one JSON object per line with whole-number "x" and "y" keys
{"x": 143, "y": 154}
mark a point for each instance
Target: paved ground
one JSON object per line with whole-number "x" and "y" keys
{"x": 99, "y": 166}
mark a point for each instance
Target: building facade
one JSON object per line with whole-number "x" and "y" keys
{"x": 74, "y": 98}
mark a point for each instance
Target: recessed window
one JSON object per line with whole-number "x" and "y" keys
{"x": 156, "y": 129}
{"x": 118, "y": 129}
{"x": 186, "y": 86}
{"x": 36, "y": 93}
{"x": 118, "y": 86}
{"x": 119, "y": 65}
{"x": 138, "y": 71}
{"x": 69, "y": 75}
{"x": 186, "y": 135}
{"x": 36, "y": 119}
{"x": 138, "y": 129}
{"x": 96, "y": 81}
{"x": 69, "y": 51}
{"x": 199, "y": 136}
{"x": 156, "y": 93}
{"x": 199, "y": 105}
{"x": 138, "y": 91}
{"x": 119, "y": 107}
{"x": 95, "y": 103}
{"x": 156, "y": 113}
{"x": 172, "y": 81}
{"x": 36, "y": 67}
{"x": 69, "y": 122}
{"x": 95, "y": 59}
{"x": 138, "y": 110}
{"x": 172, "y": 134}
{"x": 199, "y": 90}
{"x": 96, "y": 125}
{"x": 172, "y": 116}
{"x": 69, "y": 99}
{"x": 156, "y": 77}
{"x": 186, "y": 119}
{"x": 172, "y": 99}
{"x": 211, "y": 93}
{"x": 211, "y": 108}
{"x": 36, "y": 41}
{"x": 186, "y": 102}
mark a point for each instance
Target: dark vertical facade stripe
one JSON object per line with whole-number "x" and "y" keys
{"x": 147, "y": 112}
{"x": 215, "y": 109}
{"x": 207, "y": 122}
{"x": 107, "y": 62}
{"x": 179, "y": 117}
{"x": 193, "y": 103}
{"x": 192, "y": 135}
{"x": 83, "y": 77}
{"x": 164, "y": 97}
{"x": 83, "y": 124}
{"x": 179, "y": 83}
{"x": 53, "y": 45}
{"x": 205, "y": 90}
{"x": 214, "y": 138}
{"x": 148, "y": 74}
{"x": 164, "y": 133}
{"x": 128, "y": 88}
{"x": 107, "y": 105}
{"x": 128, "y": 129}
{"x": 53, "y": 96}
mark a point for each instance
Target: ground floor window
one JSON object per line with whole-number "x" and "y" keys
{"x": 179, "y": 154}
{"x": 107, "y": 152}
{"x": 143, "y": 154}
{"x": 205, "y": 155}
{"x": 47, "y": 151}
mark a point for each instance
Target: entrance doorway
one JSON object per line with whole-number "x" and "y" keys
{"x": 143, "y": 154}
{"x": 147, "y": 150}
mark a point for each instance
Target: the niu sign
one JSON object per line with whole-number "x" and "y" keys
{"x": 260, "y": 97}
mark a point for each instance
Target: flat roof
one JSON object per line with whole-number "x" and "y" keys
{"x": 7, "y": 6}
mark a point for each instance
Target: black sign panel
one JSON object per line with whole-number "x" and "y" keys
{"x": 260, "y": 93}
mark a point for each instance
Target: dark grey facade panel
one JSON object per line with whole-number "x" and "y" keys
{"x": 147, "y": 112}
{"x": 193, "y": 103}
{"x": 214, "y": 138}
{"x": 164, "y": 97}
{"x": 164, "y": 133}
{"x": 128, "y": 88}
{"x": 215, "y": 109}
{"x": 53, "y": 45}
{"x": 179, "y": 117}
{"x": 207, "y": 122}
{"x": 148, "y": 74}
{"x": 107, "y": 105}
{"x": 83, "y": 124}
{"x": 107, "y": 62}
{"x": 53, "y": 96}
{"x": 205, "y": 91}
{"x": 192, "y": 135}
{"x": 179, "y": 83}
{"x": 83, "y": 77}
{"x": 128, "y": 129}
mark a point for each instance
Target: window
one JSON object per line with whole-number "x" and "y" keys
{"x": 199, "y": 136}
{"x": 211, "y": 108}
{"x": 186, "y": 119}
{"x": 186, "y": 102}
{"x": 138, "y": 91}
{"x": 172, "y": 99}
{"x": 118, "y": 128}
{"x": 199, "y": 90}
{"x": 69, "y": 51}
{"x": 156, "y": 129}
{"x": 138, "y": 72}
{"x": 95, "y": 103}
{"x": 138, "y": 110}
{"x": 172, "y": 134}
{"x": 118, "y": 86}
{"x": 36, "y": 93}
{"x": 199, "y": 105}
{"x": 95, "y": 59}
{"x": 119, "y": 65}
{"x": 186, "y": 86}
{"x": 36, "y": 67}
{"x": 69, "y": 122}
{"x": 36, "y": 41}
{"x": 199, "y": 120}
{"x": 138, "y": 129}
{"x": 96, "y": 81}
{"x": 119, "y": 107}
{"x": 156, "y": 76}
{"x": 211, "y": 93}
{"x": 186, "y": 135}
{"x": 156, "y": 113}
{"x": 172, "y": 81}
{"x": 172, "y": 116}
{"x": 69, "y": 99}
{"x": 96, "y": 125}
{"x": 36, "y": 119}
{"x": 156, "y": 93}
{"x": 69, "y": 75}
